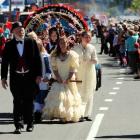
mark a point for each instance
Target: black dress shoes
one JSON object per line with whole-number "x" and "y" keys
{"x": 137, "y": 77}
{"x": 37, "y": 117}
{"x": 17, "y": 131}
{"x": 21, "y": 126}
{"x": 81, "y": 119}
{"x": 88, "y": 118}
{"x": 30, "y": 128}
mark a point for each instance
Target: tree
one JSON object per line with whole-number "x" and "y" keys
{"x": 135, "y": 5}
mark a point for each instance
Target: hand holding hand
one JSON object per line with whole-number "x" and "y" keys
{"x": 45, "y": 80}
{"x": 65, "y": 81}
{"x": 38, "y": 79}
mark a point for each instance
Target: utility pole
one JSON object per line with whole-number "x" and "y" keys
{"x": 49, "y": 2}
{"x": 42, "y": 3}
{"x": 10, "y": 6}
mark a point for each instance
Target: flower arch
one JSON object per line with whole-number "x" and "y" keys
{"x": 71, "y": 20}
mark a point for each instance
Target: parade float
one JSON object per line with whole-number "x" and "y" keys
{"x": 69, "y": 18}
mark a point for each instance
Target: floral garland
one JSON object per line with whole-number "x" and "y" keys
{"x": 59, "y": 10}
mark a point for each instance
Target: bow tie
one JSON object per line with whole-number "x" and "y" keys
{"x": 17, "y": 42}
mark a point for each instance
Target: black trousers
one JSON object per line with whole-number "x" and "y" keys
{"x": 23, "y": 89}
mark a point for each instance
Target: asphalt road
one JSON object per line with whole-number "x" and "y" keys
{"x": 115, "y": 115}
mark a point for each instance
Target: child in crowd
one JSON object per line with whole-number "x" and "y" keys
{"x": 46, "y": 76}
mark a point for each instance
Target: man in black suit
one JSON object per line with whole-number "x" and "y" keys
{"x": 22, "y": 56}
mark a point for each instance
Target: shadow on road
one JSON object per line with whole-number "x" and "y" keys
{"x": 111, "y": 65}
{"x": 136, "y": 136}
{"x": 54, "y": 122}
{"x": 6, "y": 118}
{"x": 6, "y": 133}
{"x": 6, "y": 115}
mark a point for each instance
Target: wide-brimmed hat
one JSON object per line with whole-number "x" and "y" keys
{"x": 16, "y": 25}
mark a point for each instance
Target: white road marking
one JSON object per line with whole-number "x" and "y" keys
{"x": 119, "y": 83}
{"x": 103, "y": 108}
{"x": 116, "y": 88}
{"x": 112, "y": 93}
{"x": 122, "y": 70}
{"x": 120, "y": 78}
{"x": 95, "y": 127}
{"x": 98, "y": 119}
{"x": 108, "y": 100}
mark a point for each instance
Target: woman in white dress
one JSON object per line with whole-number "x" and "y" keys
{"x": 86, "y": 72}
{"x": 63, "y": 100}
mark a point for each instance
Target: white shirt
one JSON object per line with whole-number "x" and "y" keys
{"x": 20, "y": 48}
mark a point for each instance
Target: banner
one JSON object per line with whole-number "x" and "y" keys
{"x": 17, "y": 2}
{"x": 28, "y": 2}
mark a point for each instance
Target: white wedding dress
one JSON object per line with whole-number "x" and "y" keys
{"x": 63, "y": 100}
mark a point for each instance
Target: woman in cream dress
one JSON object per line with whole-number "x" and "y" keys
{"x": 63, "y": 100}
{"x": 86, "y": 72}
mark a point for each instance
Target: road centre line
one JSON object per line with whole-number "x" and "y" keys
{"x": 103, "y": 108}
{"x": 99, "y": 117}
{"x": 95, "y": 127}
{"x": 119, "y": 83}
{"x": 108, "y": 100}
{"x": 120, "y": 78}
{"x": 112, "y": 93}
{"x": 116, "y": 88}
{"x": 122, "y": 70}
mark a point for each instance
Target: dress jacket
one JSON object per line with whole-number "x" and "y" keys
{"x": 31, "y": 57}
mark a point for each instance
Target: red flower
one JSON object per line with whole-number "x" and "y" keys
{"x": 137, "y": 45}
{"x": 1, "y": 30}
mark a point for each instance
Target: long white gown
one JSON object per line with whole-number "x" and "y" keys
{"x": 63, "y": 100}
{"x": 87, "y": 73}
